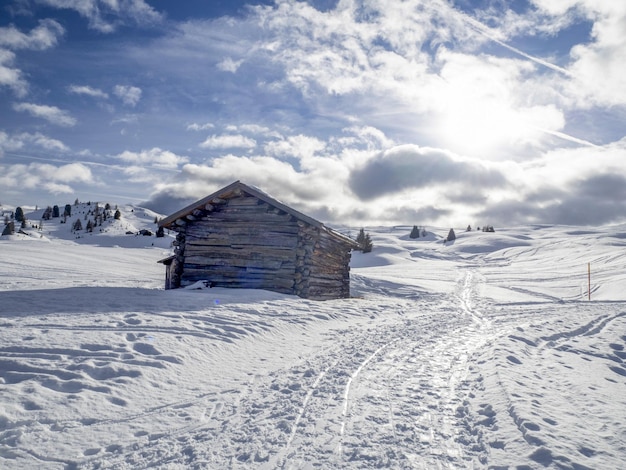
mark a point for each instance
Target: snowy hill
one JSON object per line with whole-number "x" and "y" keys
{"x": 484, "y": 352}
{"x": 107, "y": 231}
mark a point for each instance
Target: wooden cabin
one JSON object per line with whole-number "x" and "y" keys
{"x": 240, "y": 237}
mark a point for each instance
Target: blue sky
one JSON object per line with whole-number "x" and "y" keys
{"x": 359, "y": 112}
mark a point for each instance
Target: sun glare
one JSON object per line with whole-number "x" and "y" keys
{"x": 479, "y": 129}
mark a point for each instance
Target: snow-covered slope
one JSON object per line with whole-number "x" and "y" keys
{"x": 478, "y": 353}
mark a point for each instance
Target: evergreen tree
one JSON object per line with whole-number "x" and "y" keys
{"x": 365, "y": 241}
{"x": 160, "y": 233}
{"x": 367, "y": 244}
{"x": 55, "y": 211}
{"x": 78, "y": 225}
{"x": 451, "y": 235}
{"x": 117, "y": 215}
{"x": 360, "y": 238}
{"x": 19, "y": 214}
{"x": 68, "y": 210}
{"x": 9, "y": 229}
{"x": 415, "y": 233}
{"x": 89, "y": 227}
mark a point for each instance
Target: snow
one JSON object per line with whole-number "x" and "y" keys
{"x": 484, "y": 352}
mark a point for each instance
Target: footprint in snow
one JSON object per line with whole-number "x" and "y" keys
{"x": 514, "y": 360}
{"x": 147, "y": 349}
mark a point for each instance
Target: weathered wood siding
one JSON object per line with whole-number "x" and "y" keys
{"x": 323, "y": 265}
{"x": 243, "y": 242}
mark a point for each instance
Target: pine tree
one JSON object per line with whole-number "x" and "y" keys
{"x": 78, "y": 225}
{"x": 55, "y": 211}
{"x": 360, "y": 238}
{"x": 415, "y": 233}
{"x": 451, "y": 235}
{"x": 160, "y": 233}
{"x": 19, "y": 214}
{"x": 117, "y": 215}
{"x": 365, "y": 241}
{"x": 367, "y": 244}
{"x": 9, "y": 229}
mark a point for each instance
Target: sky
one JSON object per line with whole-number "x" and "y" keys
{"x": 360, "y": 112}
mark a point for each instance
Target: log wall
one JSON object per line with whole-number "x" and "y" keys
{"x": 243, "y": 242}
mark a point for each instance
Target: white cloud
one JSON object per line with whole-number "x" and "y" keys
{"x": 9, "y": 76}
{"x": 229, "y": 65}
{"x": 87, "y": 90}
{"x": 44, "y": 176}
{"x": 301, "y": 147}
{"x": 51, "y": 114}
{"x": 19, "y": 141}
{"x": 228, "y": 141}
{"x": 8, "y": 142}
{"x": 154, "y": 157}
{"x": 200, "y": 127}
{"x": 57, "y": 188}
{"x": 44, "y": 36}
{"x": 106, "y": 15}
{"x": 130, "y": 95}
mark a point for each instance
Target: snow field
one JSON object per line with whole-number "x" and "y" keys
{"x": 482, "y": 353}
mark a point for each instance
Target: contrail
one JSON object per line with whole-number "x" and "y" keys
{"x": 484, "y": 30}
{"x": 87, "y": 163}
{"x": 571, "y": 138}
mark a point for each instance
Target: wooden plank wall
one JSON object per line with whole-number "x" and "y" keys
{"x": 243, "y": 242}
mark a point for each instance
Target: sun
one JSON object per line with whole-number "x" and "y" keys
{"x": 480, "y": 128}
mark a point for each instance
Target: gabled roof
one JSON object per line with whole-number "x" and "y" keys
{"x": 228, "y": 191}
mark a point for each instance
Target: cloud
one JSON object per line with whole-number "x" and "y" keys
{"x": 57, "y": 188}
{"x": 130, "y": 95}
{"x": 9, "y": 76}
{"x": 412, "y": 167}
{"x": 87, "y": 90}
{"x": 200, "y": 127}
{"x": 227, "y": 141}
{"x": 301, "y": 147}
{"x": 8, "y": 142}
{"x": 51, "y": 114}
{"x": 155, "y": 157}
{"x": 229, "y": 65}
{"x": 52, "y": 178}
{"x": 594, "y": 200}
{"x": 106, "y": 16}
{"x": 42, "y": 141}
{"x": 44, "y": 36}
